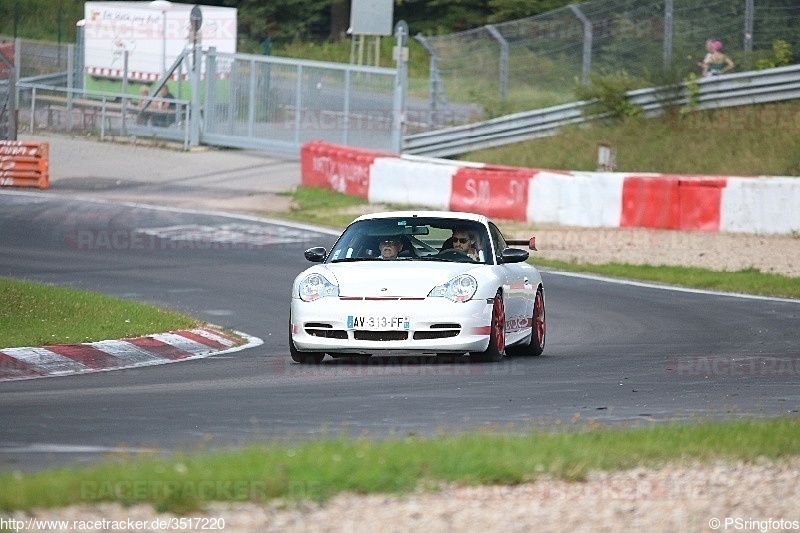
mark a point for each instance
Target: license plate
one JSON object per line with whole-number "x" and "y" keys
{"x": 377, "y": 322}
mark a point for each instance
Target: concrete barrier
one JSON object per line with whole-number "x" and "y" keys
{"x": 583, "y": 199}
{"x": 761, "y": 205}
{"x": 411, "y": 182}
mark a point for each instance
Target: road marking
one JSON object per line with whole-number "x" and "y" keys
{"x": 674, "y": 288}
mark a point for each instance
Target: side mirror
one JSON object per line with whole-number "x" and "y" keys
{"x": 513, "y": 255}
{"x": 315, "y": 255}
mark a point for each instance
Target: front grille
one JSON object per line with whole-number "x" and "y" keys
{"x": 360, "y": 335}
{"x": 428, "y": 335}
{"x": 317, "y": 329}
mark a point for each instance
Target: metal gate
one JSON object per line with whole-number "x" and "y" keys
{"x": 279, "y": 103}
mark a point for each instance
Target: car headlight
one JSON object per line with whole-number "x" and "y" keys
{"x": 459, "y": 289}
{"x": 316, "y": 286}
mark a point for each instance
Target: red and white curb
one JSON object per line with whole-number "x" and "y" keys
{"x": 162, "y": 348}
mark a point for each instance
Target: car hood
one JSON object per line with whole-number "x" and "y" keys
{"x": 385, "y": 279}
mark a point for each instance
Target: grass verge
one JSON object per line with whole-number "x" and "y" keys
{"x": 320, "y": 469}
{"x": 38, "y": 315}
{"x": 743, "y": 141}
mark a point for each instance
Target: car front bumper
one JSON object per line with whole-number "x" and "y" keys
{"x": 434, "y": 325}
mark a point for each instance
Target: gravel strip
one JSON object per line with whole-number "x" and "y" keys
{"x": 777, "y": 254}
{"x": 686, "y": 497}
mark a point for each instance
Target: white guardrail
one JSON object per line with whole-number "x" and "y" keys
{"x": 730, "y": 90}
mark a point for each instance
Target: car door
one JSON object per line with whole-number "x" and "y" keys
{"x": 516, "y": 289}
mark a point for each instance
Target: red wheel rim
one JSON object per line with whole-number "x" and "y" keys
{"x": 538, "y": 318}
{"x": 499, "y": 324}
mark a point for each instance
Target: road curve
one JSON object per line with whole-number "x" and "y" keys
{"x": 615, "y": 353}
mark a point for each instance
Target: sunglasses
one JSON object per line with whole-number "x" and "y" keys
{"x": 389, "y": 243}
{"x": 462, "y": 240}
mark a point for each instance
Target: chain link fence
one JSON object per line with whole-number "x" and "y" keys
{"x": 38, "y": 59}
{"x": 537, "y": 62}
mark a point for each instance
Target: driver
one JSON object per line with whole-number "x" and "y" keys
{"x": 464, "y": 241}
{"x": 390, "y": 247}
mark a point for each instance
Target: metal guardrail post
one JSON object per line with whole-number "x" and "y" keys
{"x": 298, "y": 103}
{"x": 103, "y": 118}
{"x": 17, "y": 63}
{"x": 251, "y": 99}
{"x": 436, "y": 90}
{"x": 233, "y": 100}
{"x": 587, "y": 43}
{"x": 124, "y": 92}
{"x": 33, "y": 108}
{"x": 503, "y": 58}
{"x": 668, "y": 9}
{"x": 70, "y": 66}
{"x": 748, "y": 33}
{"x": 347, "y": 96}
{"x": 210, "y": 106}
{"x": 194, "y": 109}
{"x": 399, "y": 100}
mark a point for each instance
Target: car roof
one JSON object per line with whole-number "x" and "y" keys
{"x": 452, "y": 215}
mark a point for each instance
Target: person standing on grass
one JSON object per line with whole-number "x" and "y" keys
{"x": 717, "y": 63}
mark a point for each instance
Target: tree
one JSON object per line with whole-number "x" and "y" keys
{"x": 284, "y": 20}
{"x": 340, "y": 19}
{"x": 503, "y": 10}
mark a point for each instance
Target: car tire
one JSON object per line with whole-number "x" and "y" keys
{"x": 538, "y": 325}
{"x": 497, "y": 337}
{"x": 538, "y": 329}
{"x": 304, "y": 358}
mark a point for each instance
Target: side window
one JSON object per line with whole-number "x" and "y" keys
{"x": 498, "y": 242}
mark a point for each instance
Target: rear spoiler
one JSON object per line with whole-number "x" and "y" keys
{"x": 531, "y": 244}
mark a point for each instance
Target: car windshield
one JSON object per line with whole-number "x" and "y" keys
{"x": 413, "y": 239}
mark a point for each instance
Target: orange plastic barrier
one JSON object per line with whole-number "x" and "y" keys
{"x": 672, "y": 202}
{"x": 494, "y": 191}
{"x": 24, "y": 164}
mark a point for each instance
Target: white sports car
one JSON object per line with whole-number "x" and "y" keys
{"x": 420, "y": 281}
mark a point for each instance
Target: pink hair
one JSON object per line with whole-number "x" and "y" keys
{"x": 717, "y": 45}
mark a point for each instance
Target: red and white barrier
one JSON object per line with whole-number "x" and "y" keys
{"x": 582, "y": 199}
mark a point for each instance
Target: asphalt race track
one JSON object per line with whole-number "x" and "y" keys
{"x": 615, "y": 352}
